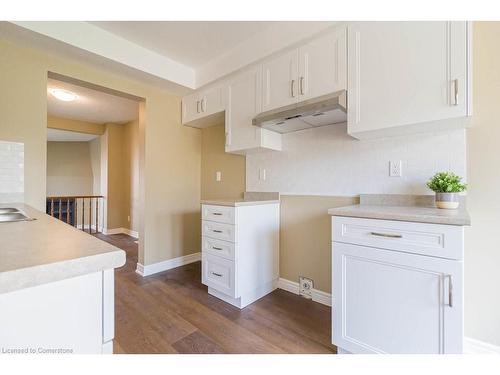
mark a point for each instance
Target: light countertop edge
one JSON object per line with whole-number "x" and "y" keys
{"x": 237, "y": 202}
{"x": 417, "y": 214}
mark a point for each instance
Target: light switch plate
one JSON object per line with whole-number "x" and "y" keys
{"x": 395, "y": 169}
{"x": 218, "y": 176}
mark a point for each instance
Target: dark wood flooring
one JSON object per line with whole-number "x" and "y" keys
{"x": 172, "y": 312}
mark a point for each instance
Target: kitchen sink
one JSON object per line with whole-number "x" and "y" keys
{"x": 13, "y": 216}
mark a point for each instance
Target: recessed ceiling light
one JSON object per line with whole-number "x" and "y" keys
{"x": 64, "y": 95}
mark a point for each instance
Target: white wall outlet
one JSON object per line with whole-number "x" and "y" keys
{"x": 218, "y": 176}
{"x": 395, "y": 169}
{"x": 128, "y": 218}
{"x": 262, "y": 174}
{"x": 305, "y": 287}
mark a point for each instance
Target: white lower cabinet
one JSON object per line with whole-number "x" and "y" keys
{"x": 240, "y": 260}
{"x": 390, "y": 301}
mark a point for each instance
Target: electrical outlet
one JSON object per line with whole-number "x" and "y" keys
{"x": 262, "y": 174}
{"x": 128, "y": 218}
{"x": 395, "y": 169}
{"x": 218, "y": 176}
{"x": 305, "y": 287}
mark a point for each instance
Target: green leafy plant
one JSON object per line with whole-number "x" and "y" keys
{"x": 446, "y": 182}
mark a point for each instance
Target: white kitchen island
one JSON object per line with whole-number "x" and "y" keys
{"x": 56, "y": 287}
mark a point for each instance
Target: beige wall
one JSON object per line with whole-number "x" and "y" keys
{"x": 95, "y": 163}
{"x": 60, "y": 123}
{"x": 69, "y": 169}
{"x": 132, "y": 158}
{"x": 214, "y": 158}
{"x": 171, "y": 191}
{"x": 305, "y": 237}
{"x": 482, "y": 246}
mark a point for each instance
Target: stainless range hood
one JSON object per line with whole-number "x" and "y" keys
{"x": 324, "y": 110}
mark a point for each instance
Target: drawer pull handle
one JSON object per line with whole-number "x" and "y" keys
{"x": 217, "y": 214}
{"x": 389, "y": 235}
{"x": 217, "y": 274}
{"x": 450, "y": 291}
{"x": 216, "y": 231}
{"x": 217, "y": 248}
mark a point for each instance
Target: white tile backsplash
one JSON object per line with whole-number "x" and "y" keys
{"x": 327, "y": 161}
{"x": 11, "y": 172}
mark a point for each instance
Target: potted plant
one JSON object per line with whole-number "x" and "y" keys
{"x": 447, "y": 185}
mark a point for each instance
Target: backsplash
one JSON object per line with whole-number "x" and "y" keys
{"x": 326, "y": 161}
{"x": 11, "y": 172}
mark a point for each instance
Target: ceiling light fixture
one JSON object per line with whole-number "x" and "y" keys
{"x": 64, "y": 95}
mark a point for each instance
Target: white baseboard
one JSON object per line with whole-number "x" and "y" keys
{"x": 317, "y": 295}
{"x": 167, "y": 264}
{"x": 473, "y": 346}
{"x": 131, "y": 233}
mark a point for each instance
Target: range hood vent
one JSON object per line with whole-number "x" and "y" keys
{"x": 324, "y": 110}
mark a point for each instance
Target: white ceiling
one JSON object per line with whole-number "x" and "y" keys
{"x": 56, "y": 135}
{"x": 91, "y": 105}
{"x": 192, "y": 43}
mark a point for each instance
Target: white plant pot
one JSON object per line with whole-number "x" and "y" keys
{"x": 449, "y": 201}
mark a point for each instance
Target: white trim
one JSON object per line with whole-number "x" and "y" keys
{"x": 473, "y": 346}
{"x": 98, "y": 41}
{"x": 317, "y": 295}
{"x": 151, "y": 269}
{"x": 131, "y": 233}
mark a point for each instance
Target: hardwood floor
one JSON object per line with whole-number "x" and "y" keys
{"x": 171, "y": 312}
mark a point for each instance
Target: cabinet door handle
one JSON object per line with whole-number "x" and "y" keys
{"x": 216, "y": 231}
{"x": 455, "y": 96}
{"x": 301, "y": 85}
{"x": 203, "y": 106}
{"x": 292, "y": 88}
{"x": 217, "y": 274}
{"x": 216, "y": 213}
{"x": 450, "y": 291}
{"x": 198, "y": 106}
{"x": 389, "y": 235}
{"x": 217, "y": 248}
{"x": 228, "y": 139}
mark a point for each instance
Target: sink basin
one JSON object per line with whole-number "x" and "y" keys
{"x": 13, "y": 216}
{"x": 6, "y": 210}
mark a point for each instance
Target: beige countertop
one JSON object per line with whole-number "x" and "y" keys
{"x": 387, "y": 210}
{"x": 47, "y": 250}
{"x": 238, "y": 202}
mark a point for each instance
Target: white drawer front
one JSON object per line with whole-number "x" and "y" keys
{"x": 219, "y": 248}
{"x": 444, "y": 241}
{"x": 219, "y": 273}
{"x": 220, "y": 214}
{"x": 218, "y": 231}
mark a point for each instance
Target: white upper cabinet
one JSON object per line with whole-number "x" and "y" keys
{"x": 280, "y": 86}
{"x": 244, "y": 101}
{"x": 199, "y": 108}
{"x": 406, "y": 77}
{"x": 314, "y": 69}
{"x": 323, "y": 65}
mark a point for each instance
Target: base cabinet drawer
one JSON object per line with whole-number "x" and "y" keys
{"x": 218, "y": 248}
{"x": 395, "y": 303}
{"x": 219, "y": 273}
{"x": 219, "y": 214}
{"x": 443, "y": 241}
{"x": 218, "y": 231}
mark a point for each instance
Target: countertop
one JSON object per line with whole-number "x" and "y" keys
{"x": 401, "y": 212}
{"x": 238, "y": 202}
{"x": 47, "y": 250}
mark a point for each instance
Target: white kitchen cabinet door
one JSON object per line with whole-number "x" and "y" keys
{"x": 406, "y": 73}
{"x": 390, "y": 302}
{"x": 323, "y": 65}
{"x": 244, "y": 102}
{"x": 280, "y": 76}
{"x": 212, "y": 100}
{"x": 190, "y": 108}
